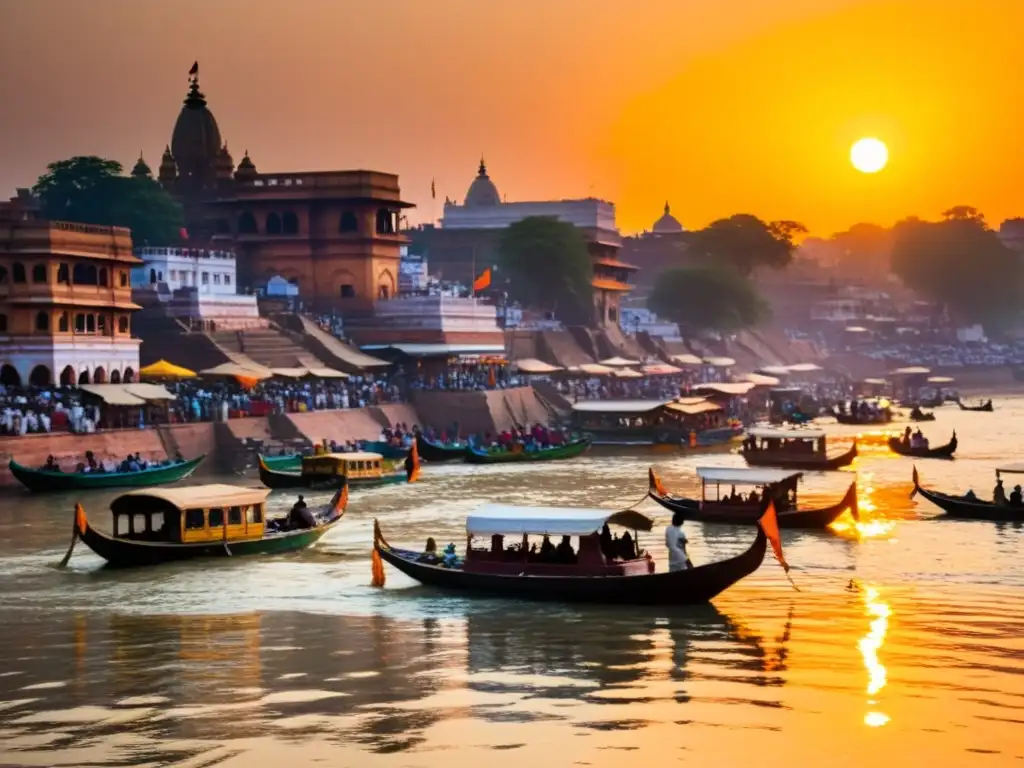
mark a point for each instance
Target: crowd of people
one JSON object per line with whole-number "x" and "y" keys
{"x": 25, "y": 411}
{"x": 130, "y": 463}
{"x": 611, "y": 388}
{"x": 535, "y": 438}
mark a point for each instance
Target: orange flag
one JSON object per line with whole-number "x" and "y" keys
{"x": 483, "y": 282}
{"x": 413, "y": 472}
{"x": 342, "y": 504}
{"x": 80, "y": 522}
{"x": 655, "y": 483}
{"x": 376, "y": 569}
{"x": 769, "y": 523}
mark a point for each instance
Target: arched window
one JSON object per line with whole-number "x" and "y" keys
{"x": 122, "y": 324}
{"x": 115, "y": 377}
{"x": 62, "y": 274}
{"x": 348, "y": 223}
{"x": 67, "y": 376}
{"x": 79, "y": 323}
{"x": 124, "y": 279}
{"x": 62, "y": 324}
{"x": 273, "y": 224}
{"x": 39, "y": 273}
{"x": 101, "y": 323}
{"x": 99, "y": 376}
{"x": 383, "y": 292}
{"x": 40, "y": 376}
{"x": 9, "y": 376}
{"x": 90, "y": 323}
{"x": 80, "y": 274}
{"x": 42, "y": 322}
{"x": 18, "y": 272}
{"x": 3, "y": 323}
{"x": 385, "y": 222}
{"x": 3, "y": 274}
{"x": 83, "y": 377}
{"x": 128, "y": 377}
{"x": 92, "y": 275}
{"x": 152, "y": 277}
{"x": 290, "y": 223}
{"x": 103, "y": 277}
{"x": 247, "y": 224}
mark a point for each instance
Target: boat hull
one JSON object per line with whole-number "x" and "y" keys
{"x": 439, "y": 452}
{"x": 807, "y": 519}
{"x": 567, "y": 451}
{"x": 812, "y": 463}
{"x": 986, "y": 408}
{"x": 958, "y": 507}
{"x": 122, "y": 553}
{"x": 845, "y": 418}
{"x": 50, "y": 482}
{"x": 685, "y": 587}
{"x": 284, "y": 463}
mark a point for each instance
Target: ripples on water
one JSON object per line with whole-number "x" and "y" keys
{"x": 905, "y": 641}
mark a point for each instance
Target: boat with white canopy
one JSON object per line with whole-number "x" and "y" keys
{"x": 599, "y": 568}
{"x": 798, "y": 448}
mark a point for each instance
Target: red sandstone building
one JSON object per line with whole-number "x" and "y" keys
{"x": 334, "y": 234}
{"x": 65, "y": 301}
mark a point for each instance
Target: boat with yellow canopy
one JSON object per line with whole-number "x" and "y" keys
{"x": 331, "y": 470}
{"x": 164, "y": 524}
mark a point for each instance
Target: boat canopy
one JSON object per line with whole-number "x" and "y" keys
{"x": 189, "y": 497}
{"x": 533, "y": 365}
{"x": 493, "y": 519}
{"x": 774, "y": 433}
{"x": 733, "y": 388}
{"x": 1011, "y": 469}
{"x": 618, "y": 362}
{"x": 617, "y": 406}
{"x": 686, "y": 359}
{"x": 693, "y": 409}
{"x": 746, "y": 475}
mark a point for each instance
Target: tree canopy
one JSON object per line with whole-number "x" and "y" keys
{"x": 548, "y": 267}
{"x": 743, "y": 242}
{"x": 91, "y": 190}
{"x": 961, "y": 263}
{"x": 708, "y": 298}
{"x": 864, "y": 249}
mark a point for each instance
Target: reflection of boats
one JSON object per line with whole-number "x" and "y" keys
{"x": 569, "y": 450}
{"x": 985, "y": 407}
{"x": 586, "y": 577}
{"x": 434, "y": 451}
{"x": 778, "y": 486}
{"x": 971, "y": 507}
{"x": 197, "y": 521}
{"x": 896, "y": 445}
{"x": 332, "y": 470}
{"x": 40, "y": 481}
{"x": 793, "y": 449}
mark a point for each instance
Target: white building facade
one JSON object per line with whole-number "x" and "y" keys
{"x": 209, "y": 272}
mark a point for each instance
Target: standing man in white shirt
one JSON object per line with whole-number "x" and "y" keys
{"x": 675, "y": 542}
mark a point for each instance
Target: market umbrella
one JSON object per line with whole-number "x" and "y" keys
{"x": 720, "y": 362}
{"x": 686, "y": 359}
{"x": 162, "y": 369}
{"x": 617, "y": 362}
{"x": 626, "y": 373}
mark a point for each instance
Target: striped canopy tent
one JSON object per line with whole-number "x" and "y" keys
{"x": 162, "y": 369}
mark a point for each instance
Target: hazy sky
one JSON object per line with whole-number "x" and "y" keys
{"x": 720, "y": 106}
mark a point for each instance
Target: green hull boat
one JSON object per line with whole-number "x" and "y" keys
{"x": 39, "y": 481}
{"x": 567, "y": 451}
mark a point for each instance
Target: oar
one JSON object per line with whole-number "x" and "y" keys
{"x": 79, "y": 512}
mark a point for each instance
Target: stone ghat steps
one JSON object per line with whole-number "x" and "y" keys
{"x": 266, "y": 346}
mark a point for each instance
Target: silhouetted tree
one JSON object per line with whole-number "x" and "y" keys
{"x": 744, "y": 243}
{"x": 548, "y": 267}
{"x": 91, "y": 190}
{"x": 964, "y": 213}
{"x": 708, "y": 298}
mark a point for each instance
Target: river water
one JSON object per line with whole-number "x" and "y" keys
{"x": 905, "y": 641}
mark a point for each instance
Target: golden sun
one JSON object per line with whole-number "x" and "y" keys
{"x": 869, "y": 155}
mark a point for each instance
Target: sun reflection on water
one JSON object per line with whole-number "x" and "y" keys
{"x": 879, "y": 611}
{"x": 867, "y": 527}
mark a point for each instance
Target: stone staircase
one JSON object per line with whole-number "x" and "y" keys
{"x": 268, "y": 347}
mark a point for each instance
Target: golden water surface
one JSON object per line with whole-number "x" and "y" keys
{"x": 903, "y": 645}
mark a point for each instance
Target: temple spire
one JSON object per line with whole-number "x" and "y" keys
{"x": 195, "y": 97}
{"x": 667, "y": 211}
{"x": 483, "y": 167}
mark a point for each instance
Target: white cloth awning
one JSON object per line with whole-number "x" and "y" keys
{"x": 733, "y": 388}
{"x": 533, "y": 365}
{"x": 112, "y": 394}
{"x": 686, "y": 359}
{"x": 745, "y": 475}
{"x": 148, "y": 391}
{"x": 913, "y": 370}
{"x": 772, "y": 433}
{"x": 553, "y": 521}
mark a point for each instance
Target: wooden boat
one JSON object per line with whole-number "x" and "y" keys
{"x": 164, "y": 525}
{"x": 585, "y": 577}
{"x": 896, "y": 445}
{"x": 883, "y": 417}
{"x": 971, "y": 507}
{"x": 285, "y": 463}
{"x": 570, "y": 450}
{"x": 42, "y": 481}
{"x": 918, "y": 415}
{"x": 985, "y": 407}
{"x": 779, "y": 486}
{"x": 435, "y": 452}
{"x": 683, "y": 422}
{"x": 793, "y": 449}
{"x": 333, "y": 470}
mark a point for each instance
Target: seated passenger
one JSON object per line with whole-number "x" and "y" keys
{"x": 754, "y": 499}
{"x": 607, "y": 547}
{"x": 564, "y": 552}
{"x": 627, "y": 547}
{"x": 450, "y": 559}
{"x": 429, "y": 555}
{"x": 1016, "y": 499}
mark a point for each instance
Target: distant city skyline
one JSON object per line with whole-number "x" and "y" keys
{"x": 718, "y": 106}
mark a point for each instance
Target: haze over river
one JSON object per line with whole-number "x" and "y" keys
{"x": 904, "y": 645}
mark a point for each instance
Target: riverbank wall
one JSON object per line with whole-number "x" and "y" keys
{"x": 224, "y": 443}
